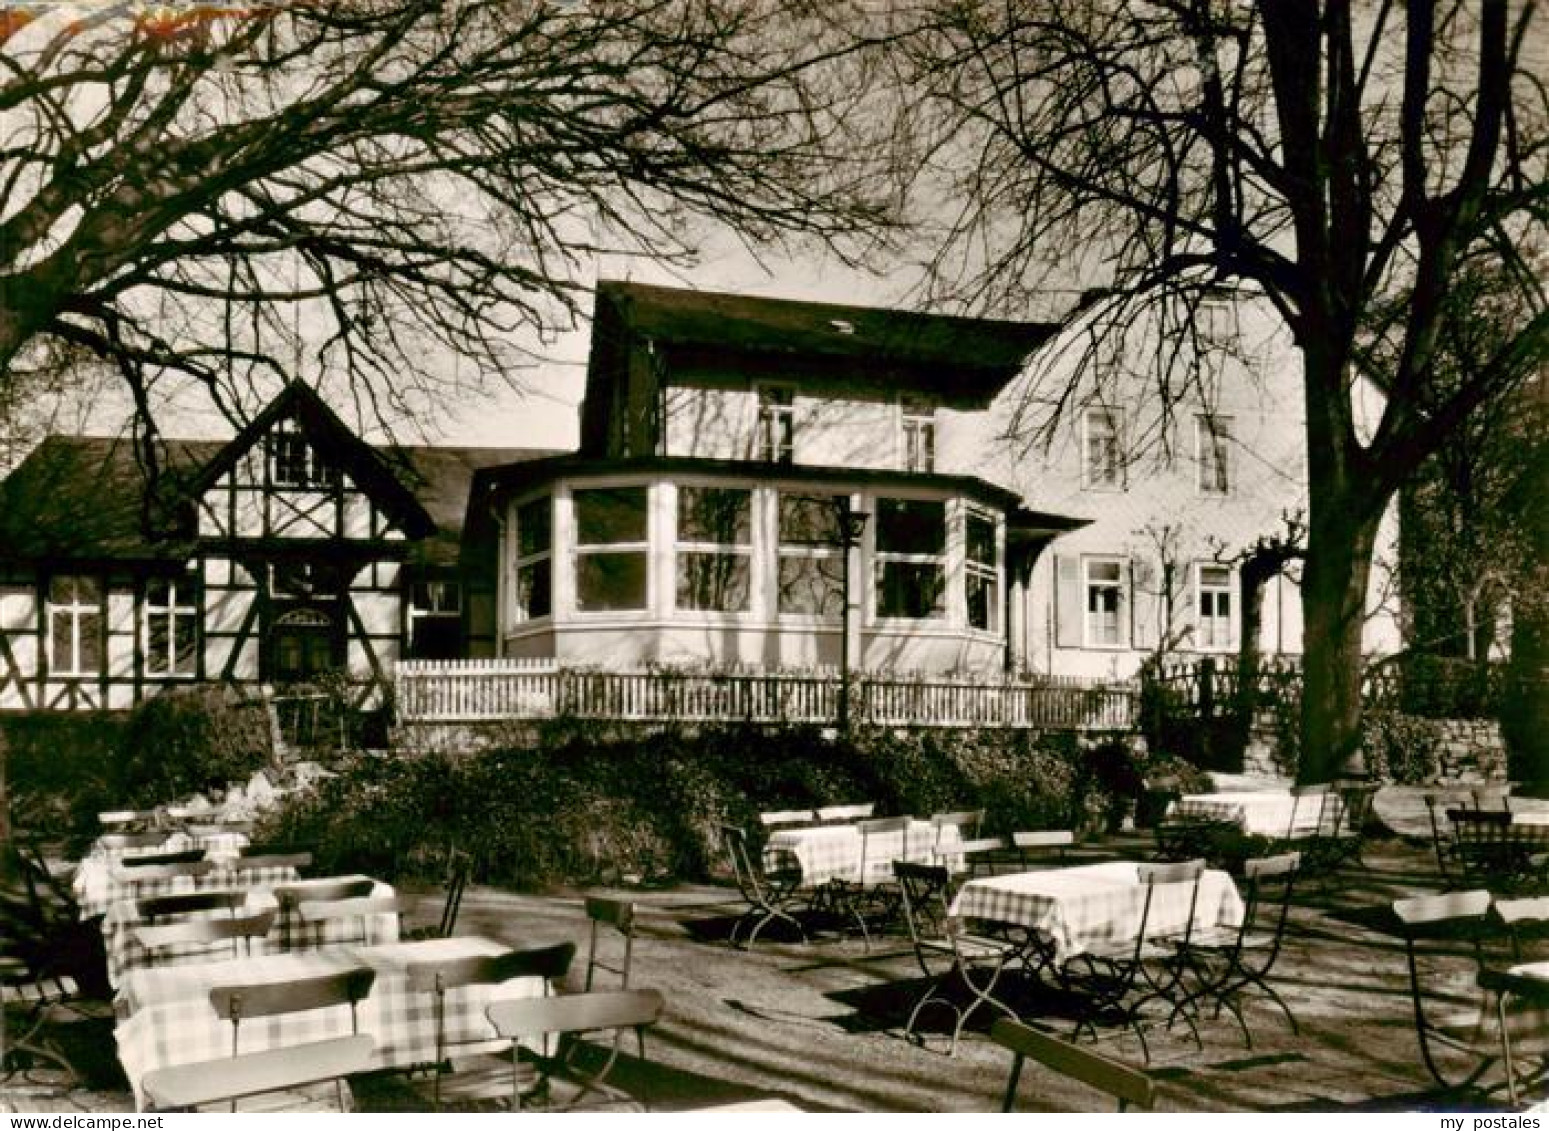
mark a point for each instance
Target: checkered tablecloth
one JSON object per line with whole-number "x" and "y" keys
{"x": 174, "y": 1023}
{"x": 118, "y": 883}
{"x": 1095, "y": 905}
{"x": 1266, "y": 813}
{"x": 830, "y": 852}
{"x": 123, "y": 917}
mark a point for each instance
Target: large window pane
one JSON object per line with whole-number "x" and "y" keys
{"x": 911, "y": 526}
{"x": 810, "y": 520}
{"x": 721, "y": 515}
{"x": 717, "y": 582}
{"x": 812, "y": 586}
{"x": 534, "y": 593}
{"x": 613, "y": 514}
{"x": 982, "y": 601}
{"x": 610, "y": 581}
{"x": 534, "y": 530}
{"x": 981, "y": 539}
{"x": 911, "y": 589}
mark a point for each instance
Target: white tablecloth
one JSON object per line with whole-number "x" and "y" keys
{"x": 1090, "y": 905}
{"x": 1267, "y": 813}
{"x": 174, "y": 1023}
{"x": 830, "y": 852}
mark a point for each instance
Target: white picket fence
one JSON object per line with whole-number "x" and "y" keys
{"x": 470, "y": 691}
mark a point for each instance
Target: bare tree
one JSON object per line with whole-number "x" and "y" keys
{"x": 388, "y": 184}
{"x": 1336, "y": 161}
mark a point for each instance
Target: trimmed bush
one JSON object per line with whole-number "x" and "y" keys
{"x": 61, "y": 768}
{"x": 582, "y": 805}
{"x": 186, "y": 741}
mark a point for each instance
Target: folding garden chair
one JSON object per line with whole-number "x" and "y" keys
{"x": 194, "y": 938}
{"x": 1115, "y": 979}
{"x": 188, "y": 1086}
{"x": 1444, "y": 947}
{"x": 1043, "y": 848}
{"x": 186, "y": 856}
{"x": 843, "y": 814}
{"x": 1128, "y": 1085}
{"x": 771, "y": 895}
{"x": 290, "y": 898}
{"x": 1226, "y": 963}
{"x": 953, "y": 960}
{"x": 458, "y": 870}
{"x": 566, "y": 1018}
{"x": 872, "y": 895}
{"x": 787, "y": 818}
{"x": 155, "y": 907}
{"x": 482, "y": 1078}
{"x": 1525, "y": 924}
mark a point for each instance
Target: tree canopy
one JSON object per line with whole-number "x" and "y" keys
{"x": 1342, "y": 162}
{"x": 399, "y": 196}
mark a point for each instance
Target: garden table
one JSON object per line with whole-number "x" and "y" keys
{"x": 833, "y": 852}
{"x": 1269, "y": 813}
{"x": 1074, "y": 910}
{"x": 125, "y": 953}
{"x": 173, "y": 1022}
{"x": 93, "y": 882}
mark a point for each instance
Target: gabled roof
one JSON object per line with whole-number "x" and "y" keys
{"x": 81, "y": 498}
{"x": 329, "y": 434}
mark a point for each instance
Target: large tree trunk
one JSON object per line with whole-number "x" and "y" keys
{"x": 1334, "y": 583}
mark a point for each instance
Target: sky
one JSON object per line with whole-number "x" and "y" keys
{"x": 545, "y": 413}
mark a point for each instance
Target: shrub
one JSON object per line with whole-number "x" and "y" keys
{"x": 584, "y": 804}
{"x": 185, "y": 741}
{"x": 59, "y": 768}
{"x": 1400, "y": 748}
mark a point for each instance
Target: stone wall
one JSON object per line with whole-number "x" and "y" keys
{"x": 1469, "y": 749}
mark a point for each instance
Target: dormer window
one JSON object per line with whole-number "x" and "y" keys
{"x": 776, "y": 423}
{"x": 919, "y": 434}
{"x": 294, "y": 462}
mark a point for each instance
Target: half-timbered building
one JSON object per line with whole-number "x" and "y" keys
{"x": 292, "y": 550}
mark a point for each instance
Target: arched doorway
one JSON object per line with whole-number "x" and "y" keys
{"x": 302, "y": 645}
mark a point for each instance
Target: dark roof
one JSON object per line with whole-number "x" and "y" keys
{"x": 787, "y": 326}
{"x": 81, "y": 498}
{"x": 959, "y": 362}
{"x": 441, "y": 478}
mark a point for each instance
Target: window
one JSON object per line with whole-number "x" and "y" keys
{"x": 1212, "y": 447}
{"x": 435, "y": 620}
{"x": 980, "y": 574}
{"x": 1215, "y": 607}
{"x": 776, "y": 423}
{"x": 919, "y": 434}
{"x": 811, "y": 553}
{"x": 307, "y": 579}
{"x": 293, "y": 462}
{"x": 1104, "y": 598}
{"x": 171, "y": 627}
{"x": 75, "y": 625}
{"x": 715, "y": 550}
{"x": 911, "y": 558}
{"x": 1102, "y": 456}
{"x": 534, "y": 596}
{"x": 611, "y": 548}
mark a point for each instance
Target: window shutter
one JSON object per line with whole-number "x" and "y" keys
{"x": 1186, "y": 630}
{"x": 1068, "y": 601}
{"x": 1143, "y": 582}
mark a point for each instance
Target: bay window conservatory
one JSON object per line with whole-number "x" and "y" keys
{"x": 708, "y": 568}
